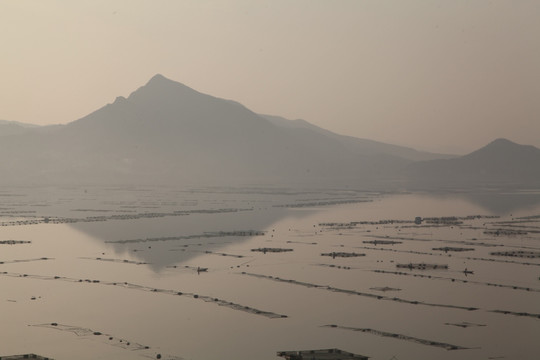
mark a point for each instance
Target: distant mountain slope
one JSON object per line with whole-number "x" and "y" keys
{"x": 21, "y": 124}
{"x": 500, "y": 162}
{"x": 362, "y": 146}
{"x": 8, "y": 128}
{"x": 167, "y": 132}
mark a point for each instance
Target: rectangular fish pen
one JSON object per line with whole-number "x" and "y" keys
{"x": 324, "y": 354}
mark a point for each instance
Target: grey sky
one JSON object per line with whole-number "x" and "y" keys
{"x": 437, "y": 75}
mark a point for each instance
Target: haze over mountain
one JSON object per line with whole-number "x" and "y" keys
{"x": 168, "y": 133}
{"x": 363, "y": 146}
{"x": 500, "y": 162}
{"x": 14, "y": 127}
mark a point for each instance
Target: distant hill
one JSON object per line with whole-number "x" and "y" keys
{"x": 501, "y": 162}
{"x": 361, "y": 146}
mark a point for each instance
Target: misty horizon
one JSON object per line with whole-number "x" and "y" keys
{"x": 444, "y": 77}
{"x": 32, "y": 125}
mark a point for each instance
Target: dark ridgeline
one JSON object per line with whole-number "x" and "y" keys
{"x": 168, "y": 133}
{"x": 501, "y": 162}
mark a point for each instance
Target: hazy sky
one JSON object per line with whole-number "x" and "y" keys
{"x": 437, "y": 75}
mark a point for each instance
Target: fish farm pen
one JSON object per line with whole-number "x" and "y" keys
{"x": 324, "y": 354}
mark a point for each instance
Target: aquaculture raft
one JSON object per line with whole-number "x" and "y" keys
{"x": 342, "y": 254}
{"x": 25, "y": 356}
{"x": 422, "y": 266}
{"x": 324, "y": 354}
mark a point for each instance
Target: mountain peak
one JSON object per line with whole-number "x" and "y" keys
{"x": 119, "y": 99}
{"x": 502, "y": 147}
{"x": 160, "y": 80}
{"x": 501, "y": 142}
{"x": 158, "y": 77}
{"x": 499, "y": 162}
{"x": 163, "y": 85}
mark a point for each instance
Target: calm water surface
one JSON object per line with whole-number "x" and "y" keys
{"x": 116, "y": 259}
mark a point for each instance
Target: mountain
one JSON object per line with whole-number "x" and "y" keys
{"x": 357, "y": 145}
{"x": 501, "y": 162}
{"x": 166, "y": 132}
